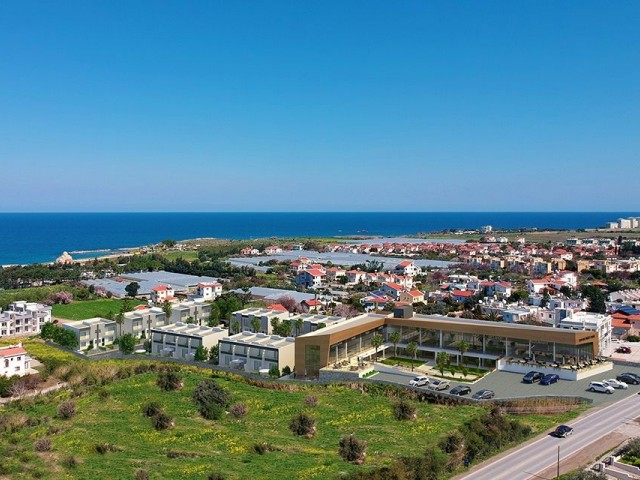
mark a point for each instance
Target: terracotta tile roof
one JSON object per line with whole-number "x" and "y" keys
{"x": 277, "y": 306}
{"x": 160, "y": 288}
{"x": 462, "y": 293}
{"x": 10, "y": 352}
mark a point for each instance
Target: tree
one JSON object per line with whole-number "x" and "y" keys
{"x": 132, "y": 289}
{"x": 255, "y": 324}
{"x": 395, "y": 338}
{"x": 127, "y": 343}
{"x": 376, "y": 342}
{"x": 167, "y": 309}
{"x": 235, "y": 327}
{"x": 119, "y": 319}
{"x": 202, "y": 354}
{"x": 596, "y": 299}
{"x": 412, "y": 350}
{"x": 274, "y": 372}
{"x": 463, "y": 347}
{"x": 214, "y": 315}
{"x": 352, "y": 450}
{"x": 442, "y": 362}
{"x": 299, "y": 325}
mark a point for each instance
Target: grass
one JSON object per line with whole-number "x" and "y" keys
{"x": 81, "y": 310}
{"x": 188, "y": 255}
{"x": 32, "y": 294}
{"x": 224, "y": 445}
{"x": 406, "y": 362}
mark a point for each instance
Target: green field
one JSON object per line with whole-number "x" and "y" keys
{"x": 81, "y": 310}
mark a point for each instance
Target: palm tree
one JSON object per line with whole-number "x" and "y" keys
{"x": 255, "y": 323}
{"x": 395, "y": 339}
{"x": 235, "y": 327}
{"x": 299, "y": 325}
{"x": 463, "y": 346}
{"x": 119, "y": 319}
{"x": 376, "y": 342}
{"x": 166, "y": 308}
{"x": 442, "y": 362}
{"x": 412, "y": 350}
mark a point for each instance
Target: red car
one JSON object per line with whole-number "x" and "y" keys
{"x": 623, "y": 350}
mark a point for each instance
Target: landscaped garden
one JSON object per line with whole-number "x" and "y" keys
{"x": 99, "y": 429}
{"x": 81, "y": 310}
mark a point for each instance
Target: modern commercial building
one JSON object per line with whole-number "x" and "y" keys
{"x": 181, "y": 340}
{"x": 487, "y": 341}
{"x": 14, "y": 360}
{"x": 592, "y": 322}
{"x": 253, "y": 352}
{"x": 93, "y": 333}
{"x": 23, "y": 318}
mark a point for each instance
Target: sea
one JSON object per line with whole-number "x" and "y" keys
{"x": 41, "y": 237}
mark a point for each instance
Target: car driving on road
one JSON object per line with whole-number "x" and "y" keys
{"x": 629, "y": 378}
{"x": 532, "y": 377}
{"x": 484, "y": 394}
{"x": 549, "y": 378}
{"x": 438, "y": 384}
{"x": 623, "y": 350}
{"x": 563, "y": 431}
{"x": 460, "y": 390}
{"x": 420, "y": 381}
{"x": 601, "y": 387}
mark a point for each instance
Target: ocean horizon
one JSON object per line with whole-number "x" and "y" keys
{"x": 41, "y": 237}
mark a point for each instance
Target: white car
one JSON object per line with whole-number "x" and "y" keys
{"x": 616, "y": 383}
{"x": 438, "y": 384}
{"x": 602, "y": 387}
{"x": 419, "y": 381}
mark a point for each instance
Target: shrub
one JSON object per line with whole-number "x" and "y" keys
{"x": 103, "y": 394}
{"x": 211, "y": 411}
{"x": 352, "y": 450}
{"x": 262, "y": 447}
{"x": 311, "y": 401}
{"x": 141, "y": 474}
{"x": 404, "y": 410}
{"x": 66, "y": 410}
{"x": 42, "y": 445}
{"x": 208, "y": 391}
{"x": 103, "y": 448}
{"x": 53, "y": 430}
{"x": 239, "y": 410}
{"x": 633, "y": 338}
{"x": 162, "y": 421}
{"x": 216, "y": 476}
{"x": 70, "y": 462}
{"x": 170, "y": 380}
{"x": 303, "y": 424}
{"x": 151, "y": 409}
{"x": 274, "y": 372}
{"x": 286, "y": 370}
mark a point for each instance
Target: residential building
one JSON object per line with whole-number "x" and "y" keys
{"x": 141, "y": 320}
{"x": 392, "y": 289}
{"x": 411, "y": 297}
{"x": 253, "y": 352}
{"x": 14, "y": 360}
{"x": 407, "y": 268}
{"x": 593, "y": 322}
{"x": 312, "y": 278}
{"x": 245, "y": 318}
{"x": 461, "y": 296}
{"x": 93, "y": 333}
{"x": 181, "y": 340}
{"x": 162, "y": 293}
{"x": 209, "y": 291}
{"x": 23, "y": 318}
{"x": 197, "y": 310}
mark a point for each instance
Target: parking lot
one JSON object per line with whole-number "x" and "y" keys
{"x": 634, "y": 356}
{"x": 509, "y": 385}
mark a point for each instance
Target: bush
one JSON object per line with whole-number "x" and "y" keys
{"x": 169, "y": 380}
{"x": 162, "y": 421}
{"x": 311, "y": 401}
{"x": 262, "y": 447}
{"x": 103, "y": 448}
{"x": 70, "y": 462}
{"x": 103, "y": 394}
{"x": 216, "y": 476}
{"x": 286, "y": 370}
{"x": 127, "y": 343}
{"x": 151, "y": 409}
{"x": 352, "y": 450}
{"x": 239, "y": 410}
{"x": 211, "y": 411}
{"x": 208, "y": 391}
{"x": 404, "y": 410}
{"x": 274, "y": 372}
{"x": 42, "y": 445}
{"x": 66, "y": 410}
{"x": 141, "y": 474}
{"x": 633, "y": 338}
{"x": 303, "y": 424}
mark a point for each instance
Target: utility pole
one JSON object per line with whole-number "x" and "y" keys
{"x": 558, "y": 471}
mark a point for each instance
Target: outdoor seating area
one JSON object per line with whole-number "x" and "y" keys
{"x": 568, "y": 363}
{"x": 351, "y": 365}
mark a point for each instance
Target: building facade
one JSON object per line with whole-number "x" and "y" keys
{"x": 14, "y": 360}
{"x": 181, "y": 340}
{"x": 253, "y": 352}
{"x": 93, "y": 332}
{"x": 23, "y": 318}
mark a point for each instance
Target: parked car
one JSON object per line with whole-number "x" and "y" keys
{"x": 616, "y": 383}
{"x": 563, "y": 431}
{"x": 460, "y": 390}
{"x": 420, "y": 381}
{"x": 623, "y": 350}
{"x": 549, "y": 378}
{"x": 484, "y": 394}
{"x": 601, "y": 387}
{"x": 438, "y": 384}
{"x": 629, "y": 378}
{"x": 532, "y": 377}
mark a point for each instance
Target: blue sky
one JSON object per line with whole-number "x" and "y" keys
{"x": 319, "y": 106}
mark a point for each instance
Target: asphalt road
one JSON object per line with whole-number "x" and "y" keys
{"x": 530, "y": 460}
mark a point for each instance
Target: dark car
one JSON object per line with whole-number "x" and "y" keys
{"x": 484, "y": 394}
{"x": 532, "y": 377}
{"x": 628, "y": 377}
{"x": 549, "y": 378}
{"x": 563, "y": 431}
{"x": 460, "y": 390}
{"x": 623, "y": 350}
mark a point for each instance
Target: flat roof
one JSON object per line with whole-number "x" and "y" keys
{"x": 346, "y": 324}
{"x": 260, "y": 340}
{"x": 189, "y": 329}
